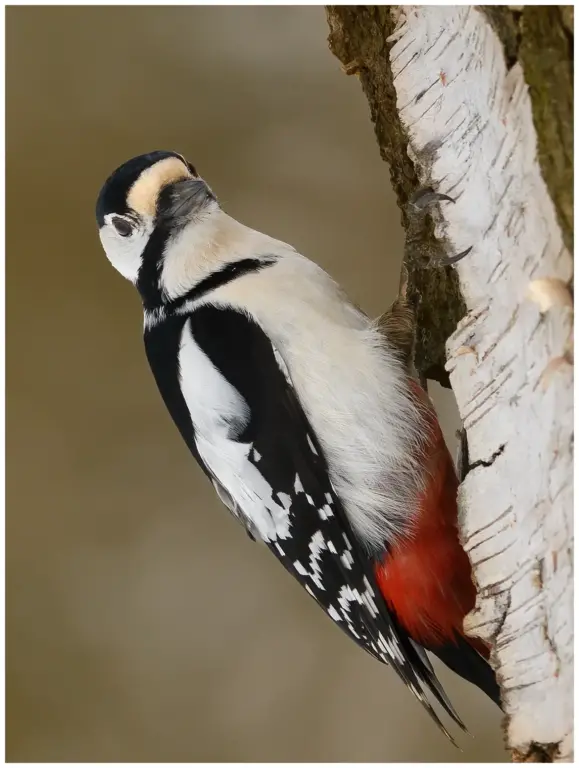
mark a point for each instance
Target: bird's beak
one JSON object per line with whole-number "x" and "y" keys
{"x": 183, "y": 199}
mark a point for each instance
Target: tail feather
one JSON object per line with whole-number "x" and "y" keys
{"x": 435, "y": 684}
{"x": 464, "y": 660}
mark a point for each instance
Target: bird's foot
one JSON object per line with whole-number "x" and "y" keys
{"x": 418, "y": 206}
{"x": 427, "y": 196}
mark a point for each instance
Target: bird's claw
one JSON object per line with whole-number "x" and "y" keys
{"x": 420, "y": 201}
{"x": 445, "y": 261}
{"x": 425, "y": 197}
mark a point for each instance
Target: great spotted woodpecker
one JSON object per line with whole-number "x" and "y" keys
{"x": 303, "y": 414}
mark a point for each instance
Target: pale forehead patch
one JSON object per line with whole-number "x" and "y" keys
{"x": 143, "y": 195}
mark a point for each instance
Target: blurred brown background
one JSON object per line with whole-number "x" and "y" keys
{"x": 142, "y": 624}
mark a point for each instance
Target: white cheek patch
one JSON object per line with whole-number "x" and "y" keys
{"x": 125, "y": 253}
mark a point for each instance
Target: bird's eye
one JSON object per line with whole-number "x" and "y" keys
{"x": 123, "y": 226}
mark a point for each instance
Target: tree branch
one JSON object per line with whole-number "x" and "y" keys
{"x": 451, "y": 109}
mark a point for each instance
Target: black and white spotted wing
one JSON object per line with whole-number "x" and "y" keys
{"x": 267, "y": 461}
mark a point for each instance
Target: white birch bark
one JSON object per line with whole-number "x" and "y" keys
{"x": 510, "y": 360}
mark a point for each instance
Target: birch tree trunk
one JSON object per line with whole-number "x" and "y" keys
{"x": 477, "y": 103}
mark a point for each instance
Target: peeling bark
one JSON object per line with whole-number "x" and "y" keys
{"x": 477, "y": 103}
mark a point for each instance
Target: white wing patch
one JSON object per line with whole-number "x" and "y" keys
{"x": 216, "y": 407}
{"x": 219, "y": 413}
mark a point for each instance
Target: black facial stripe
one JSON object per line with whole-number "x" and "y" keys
{"x": 150, "y": 271}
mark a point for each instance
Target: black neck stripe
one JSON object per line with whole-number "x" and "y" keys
{"x": 221, "y": 277}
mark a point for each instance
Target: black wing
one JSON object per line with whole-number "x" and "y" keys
{"x": 320, "y": 549}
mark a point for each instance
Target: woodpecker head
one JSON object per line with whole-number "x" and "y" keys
{"x": 147, "y": 202}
